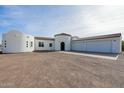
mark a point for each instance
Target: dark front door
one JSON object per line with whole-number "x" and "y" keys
{"x": 62, "y": 46}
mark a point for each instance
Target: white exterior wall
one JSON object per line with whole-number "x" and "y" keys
{"x": 63, "y": 38}
{"x": 117, "y": 45}
{"x": 109, "y": 45}
{"x": 16, "y": 42}
{"x": 46, "y": 45}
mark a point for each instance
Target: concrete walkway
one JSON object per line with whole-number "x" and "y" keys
{"x": 96, "y": 55}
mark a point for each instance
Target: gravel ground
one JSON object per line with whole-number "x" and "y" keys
{"x": 53, "y": 69}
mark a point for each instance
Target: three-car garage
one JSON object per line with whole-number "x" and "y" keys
{"x": 106, "y": 43}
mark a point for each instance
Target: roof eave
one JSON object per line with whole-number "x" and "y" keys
{"x": 100, "y": 37}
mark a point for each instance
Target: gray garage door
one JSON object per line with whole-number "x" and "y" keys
{"x": 99, "y": 46}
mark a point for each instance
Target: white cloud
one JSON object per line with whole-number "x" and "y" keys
{"x": 96, "y": 20}
{"x": 4, "y": 23}
{"x": 85, "y": 21}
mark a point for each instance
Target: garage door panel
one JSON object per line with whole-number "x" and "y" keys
{"x": 99, "y": 46}
{"x": 77, "y": 46}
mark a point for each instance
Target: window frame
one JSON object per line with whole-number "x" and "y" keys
{"x": 26, "y": 43}
{"x": 31, "y": 44}
{"x": 5, "y": 43}
{"x": 41, "y": 44}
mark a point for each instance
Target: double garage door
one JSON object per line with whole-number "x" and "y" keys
{"x": 99, "y": 46}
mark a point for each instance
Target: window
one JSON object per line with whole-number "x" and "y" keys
{"x": 5, "y": 43}
{"x": 50, "y": 44}
{"x": 31, "y": 44}
{"x": 26, "y": 43}
{"x": 41, "y": 44}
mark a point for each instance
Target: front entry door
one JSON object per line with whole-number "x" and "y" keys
{"x": 62, "y": 46}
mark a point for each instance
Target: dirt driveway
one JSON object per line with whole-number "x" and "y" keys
{"x": 53, "y": 69}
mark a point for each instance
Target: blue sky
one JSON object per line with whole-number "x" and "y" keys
{"x": 80, "y": 21}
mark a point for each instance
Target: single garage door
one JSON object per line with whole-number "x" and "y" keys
{"x": 99, "y": 46}
{"x": 77, "y": 46}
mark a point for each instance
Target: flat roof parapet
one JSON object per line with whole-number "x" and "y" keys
{"x": 100, "y": 37}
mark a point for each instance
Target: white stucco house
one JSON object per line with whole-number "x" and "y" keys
{"x": 15, "y": 42}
